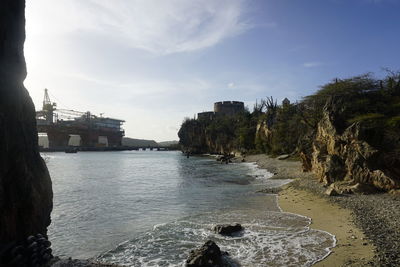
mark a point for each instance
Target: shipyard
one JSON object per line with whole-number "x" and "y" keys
{"x": 92, "y": 131}
{"x": 70, "y": 130}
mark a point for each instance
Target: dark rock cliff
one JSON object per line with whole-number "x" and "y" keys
{"x": 196, "y": 138}
{"x": 25, "y": 185}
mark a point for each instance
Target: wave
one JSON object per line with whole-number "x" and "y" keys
{"x": 269, "y": 239}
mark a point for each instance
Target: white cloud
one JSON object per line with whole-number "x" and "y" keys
{"x": 81, "y": 50}
{"x": 312, "y": 64}
{"x": 157, "y": 26}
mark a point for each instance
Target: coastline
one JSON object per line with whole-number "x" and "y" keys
{"x": 305, "y": 196}
{"x": 352, "y": 246}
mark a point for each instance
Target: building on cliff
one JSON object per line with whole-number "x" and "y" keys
{"x": 285, "y": 102}
{"x": 222, "y": 108}
{"x": 228, "y": 108}
{"x": 207, "y": 115}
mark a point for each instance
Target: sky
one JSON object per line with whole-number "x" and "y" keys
{"x": 154, "y": 62}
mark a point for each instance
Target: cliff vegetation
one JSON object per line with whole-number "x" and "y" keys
{"x": 347, "y": 132}
{"x": 222, "y": 134}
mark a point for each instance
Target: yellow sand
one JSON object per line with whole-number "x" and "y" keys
{"x": 352, "y": 248}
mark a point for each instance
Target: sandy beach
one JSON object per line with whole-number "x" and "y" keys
{"x": 353, "y": 248}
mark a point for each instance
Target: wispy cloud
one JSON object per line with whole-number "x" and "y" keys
{"x": 231, "y": 85}
{"x": 159, "y": 27}
{"x": 146, "y": 89}
{"x": 312, "y": 64}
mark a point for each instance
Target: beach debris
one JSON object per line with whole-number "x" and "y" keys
{"x": 395, "y": 192}
{"x": 284, "y": 156}
{"x": 365, "y": 189}
{"x": 209, "y": 255}
{"x": 227, "y": 229}
{"x": 351, "y": 188}
{"x": 331, "y": 192}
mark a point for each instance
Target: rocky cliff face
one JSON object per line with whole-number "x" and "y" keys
{"x": 195, "y": 138}
{"x": 25, "y": 186}
{"x": 192, "y": 137}
{"x": 263, "y": 132}
{"x": 343, "y": 155}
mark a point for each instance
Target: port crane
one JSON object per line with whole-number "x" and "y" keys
{"x": 60, "y": 124}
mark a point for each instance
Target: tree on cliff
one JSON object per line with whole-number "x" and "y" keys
{"x": 364, "y": 99}
{"x": 191, "y": 136}
{"x": 221, "y": 134}
{"x": 287, "y": 128}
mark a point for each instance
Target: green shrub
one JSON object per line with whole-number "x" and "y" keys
{"x": 370, "y": 117}
{"x": 393, "y": 121}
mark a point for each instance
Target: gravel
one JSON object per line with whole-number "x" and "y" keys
{"x": 377, "y": 215}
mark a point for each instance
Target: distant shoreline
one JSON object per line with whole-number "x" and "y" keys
{"x": 105, "y": 149}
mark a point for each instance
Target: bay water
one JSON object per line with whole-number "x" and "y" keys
{"x": 149, "y": 208}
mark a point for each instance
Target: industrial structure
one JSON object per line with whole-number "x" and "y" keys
{"x": 223, "y": 108}
{"x": 61, "y": 124}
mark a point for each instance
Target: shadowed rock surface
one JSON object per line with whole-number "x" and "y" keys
{"x": 227, "y": 229}
{"x": 25, "y": 185}
{"x": 209, "y": 255}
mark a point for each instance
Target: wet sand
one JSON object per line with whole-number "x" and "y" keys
{"x": 352, "y": 247}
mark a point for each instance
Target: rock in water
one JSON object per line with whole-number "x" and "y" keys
{"x": 25, "y": 186}
{"x": 226, "y": 229}
{"x": 209, "y": 255}
{"x": 282, "y": 157}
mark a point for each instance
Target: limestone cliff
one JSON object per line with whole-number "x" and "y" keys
{"x": 263, "y": 135}
{"x": 345, "y": 155}
{"x": 197, "y": 137}
{"x": 25, "y": 186}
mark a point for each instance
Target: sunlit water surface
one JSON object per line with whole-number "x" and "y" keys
{"x": 147, "y": 208}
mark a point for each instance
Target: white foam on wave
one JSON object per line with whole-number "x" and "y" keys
{"x": 272, "y": 238}
{"x": 257, "y": 172}
{"x": 263, "y": 176}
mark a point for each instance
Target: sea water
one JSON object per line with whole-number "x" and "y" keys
{"x": 148, "y": 208}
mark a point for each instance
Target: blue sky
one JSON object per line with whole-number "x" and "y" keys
{"x": 154, "y": 62}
